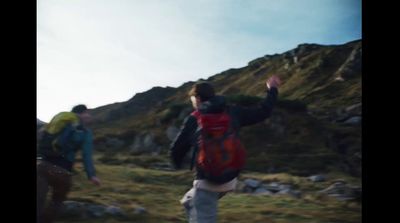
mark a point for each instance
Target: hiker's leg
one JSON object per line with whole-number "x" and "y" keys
{"x": 61, "y": 181}
{"x": 187, "y": 202}
{"x": 205, "y": 206}
{"x": 42, "y": 190}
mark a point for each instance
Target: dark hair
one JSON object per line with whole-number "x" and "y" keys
{"x": 203, "y": 90}
{"x": 78, "y": 109}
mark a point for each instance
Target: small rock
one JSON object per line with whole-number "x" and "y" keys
{"x": 115, "y": 211}
{"x": 171, "y": 132}
{"x": 262, "y": 191}
{"x": 248, "y": 189}
{"x": 339, "y": 78}
{"x": 240, "y": 186}
{"x": 317, "y": 178}
{"x": 140, "y": 210}
{"x": 252, "y": 183}
{"x": 353, "y": 107}
{"x": 285, "y": 187}
{"x": 94, "y": 210}
{"x": 295, "y": 193}
{"x": 273, "y": 187}
{"x": 355, "y": 120}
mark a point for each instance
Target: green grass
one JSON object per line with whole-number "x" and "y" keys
{"x": 159, "y": 192}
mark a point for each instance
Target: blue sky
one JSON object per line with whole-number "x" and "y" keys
{"x": 98, "y": 52}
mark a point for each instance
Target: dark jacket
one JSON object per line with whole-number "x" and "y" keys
{"x": 241, "y": 116}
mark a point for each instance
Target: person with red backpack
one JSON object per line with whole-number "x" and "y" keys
{"x": 212, "y": 129}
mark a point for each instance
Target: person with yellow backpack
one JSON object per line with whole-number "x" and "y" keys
{"x": 58, "y": 144}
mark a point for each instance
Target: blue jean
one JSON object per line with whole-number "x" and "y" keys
{"x": 201, "y": 206}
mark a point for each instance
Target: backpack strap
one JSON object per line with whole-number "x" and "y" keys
{"x": 234, "y": 124}
{"x": 195, "y": 114}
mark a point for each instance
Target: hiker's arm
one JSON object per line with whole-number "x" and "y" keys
{"x": 182, "y": 143}
{"x": 249, "y": 116}
{"x": 87, "y": 147}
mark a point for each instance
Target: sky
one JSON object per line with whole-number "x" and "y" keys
{"x": 98, "y": 52}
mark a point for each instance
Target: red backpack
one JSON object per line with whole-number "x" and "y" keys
{"x": 221, "y": 155}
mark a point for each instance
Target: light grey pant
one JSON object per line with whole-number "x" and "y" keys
{"x": 201, "y": 206}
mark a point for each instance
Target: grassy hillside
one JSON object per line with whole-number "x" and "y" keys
{"x": 315, "y": 128}
{"x": 301, "y": 137}
{"x": 129, "y": 186}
